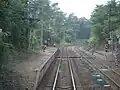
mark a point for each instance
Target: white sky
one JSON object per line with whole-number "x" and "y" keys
{"x": 81, "y": 8}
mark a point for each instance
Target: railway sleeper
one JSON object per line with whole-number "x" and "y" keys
{"x": 82, "y": 87}
{"x": 75, "y": 57}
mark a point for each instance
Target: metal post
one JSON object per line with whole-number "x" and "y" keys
{"x": 41, "y": 41}
{"x": 41, "y": 35}
{"x": 28, "y": 24}
{"x": 64, "y": 36}
{"x": 111, "y": 32}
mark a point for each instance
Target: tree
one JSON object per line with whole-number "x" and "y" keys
{"x": 78, "y": 28}
{"x": 23, "y": 21}
{"x": 105, "y": 20}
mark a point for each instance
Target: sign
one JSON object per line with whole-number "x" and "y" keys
{"x": 45, "y": 41}
{"x": 0, "y": 30}
{"x": 119, "y": 41}
{"x": 109, "y": 42}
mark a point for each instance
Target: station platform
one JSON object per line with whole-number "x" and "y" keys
{"x": 25, "y": 70}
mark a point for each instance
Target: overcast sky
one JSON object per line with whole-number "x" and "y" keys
{"x": 81, "y": 8}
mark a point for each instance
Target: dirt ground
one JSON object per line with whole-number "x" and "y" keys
{"x": 102, "y": 57}
{"x": 110, "y": 60}
{"x": 23, "y": 70}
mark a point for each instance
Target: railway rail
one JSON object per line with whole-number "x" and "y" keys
{"x": 114, "y": 75}
{"x": 73, "y": 86}
{"x": 73, "y": 72}
{"x": 110, "y": 75}
{"x": 61, "y": 78}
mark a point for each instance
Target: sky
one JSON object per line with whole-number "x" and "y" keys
{"x": 81, "y": 8}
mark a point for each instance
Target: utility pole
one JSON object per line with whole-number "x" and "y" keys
{"x": 64, "y": 33}
{"x": 42, "y": 25}
{"x": 111, "y": 32}
{"x": 41, "y": 41}
{"x": 28, "y": 18}
{"x": 28, "y": 32}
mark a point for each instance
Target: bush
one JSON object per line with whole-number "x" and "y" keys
{"x": 93, "y": 41}
{"x": 5, "y": 48}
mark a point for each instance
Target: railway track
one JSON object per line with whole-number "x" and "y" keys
{"x": 81, "y": 72}
{"x": 71, "y": 72}
{"x": 61, "y": 78}
{"x": 113, "y": 75}
{"x": 113, "y": 71}
{"x": 80, "y": 78}
{"x": 64, "y": 81}
{"x": 110, "y": 75}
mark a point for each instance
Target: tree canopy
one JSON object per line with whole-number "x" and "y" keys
{"x": 105, "y": 20}
{"x": 23, "y": 22}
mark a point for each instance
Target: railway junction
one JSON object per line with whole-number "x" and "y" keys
{"x": 71, "y": 68}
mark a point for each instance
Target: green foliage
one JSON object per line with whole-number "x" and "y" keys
{"x": 11, "y": 20}
{"x": 105, "y": 19}
{"x": 93, "y": 41}
{"x": 77, "y": 28}
{"x": 22, "y": 22}
{"x": 14, "y": 27}
{"x": 5, "y": 47}
{"x": 56, "y": 25}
